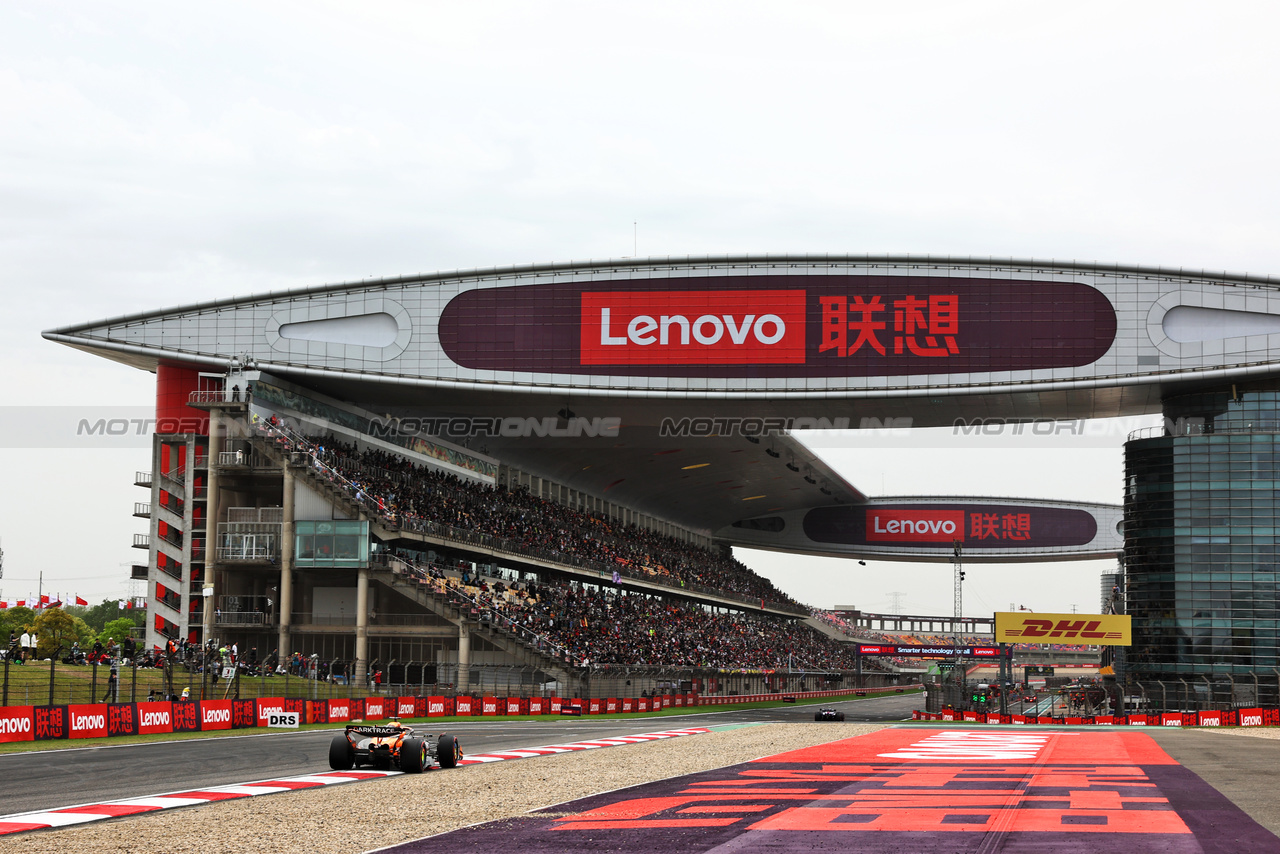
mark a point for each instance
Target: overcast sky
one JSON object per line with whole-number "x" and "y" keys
{"x": 161, "y": 154}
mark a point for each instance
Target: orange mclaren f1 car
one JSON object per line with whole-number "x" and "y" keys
{"x": 392, "y": 745}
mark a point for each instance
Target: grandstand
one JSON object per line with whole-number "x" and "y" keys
{"x": 471, "y": 578}
{"x": 350, "y": 471}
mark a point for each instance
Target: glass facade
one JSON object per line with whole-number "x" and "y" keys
{"x": 335, "y": 543}
{"x": 1201, "y": 526}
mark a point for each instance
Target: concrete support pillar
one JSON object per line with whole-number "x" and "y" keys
{"x": 464, "y": 659}
{"x": 362, "y": 626}
{"x": 285, "y": 591}
{"x": 211, "y": 525}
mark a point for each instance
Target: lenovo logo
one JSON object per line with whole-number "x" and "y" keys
{"x": 85, "y": 722}
{"x": 435, "y": 708}
{"x": 11, "y": 726}
{"x": 214, "y": 716}
{"x": 693, "y": 328}
{"x": 154, "y": 719}
{"x": 917, "y": 526}
{"x": 1251, "y": 720}
{"x": 339, "y": 713}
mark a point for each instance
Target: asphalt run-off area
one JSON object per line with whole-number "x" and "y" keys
{"x": 906, "y": 791}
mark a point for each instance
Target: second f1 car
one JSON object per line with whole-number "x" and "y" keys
{"x": 828, "y": 715}
{"x": 393, "y": 745}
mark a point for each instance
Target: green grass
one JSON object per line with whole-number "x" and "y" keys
{"x": 28, "y": 685}
{"x": 437, "y": 723}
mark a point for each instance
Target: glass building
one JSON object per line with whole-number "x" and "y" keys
{"x": 1202, "y": 521}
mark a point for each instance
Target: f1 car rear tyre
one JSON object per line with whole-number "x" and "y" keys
{"x": 413, "y": 756}
{"x": 840, "y": 716}
{"x": 817, "y": 717}
{"x": 447, "y": 751}
{"x": 341, "y": 754}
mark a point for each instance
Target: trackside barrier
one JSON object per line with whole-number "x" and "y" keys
{"x": 103, "y": 720}
{"x": 1233, "y": 717}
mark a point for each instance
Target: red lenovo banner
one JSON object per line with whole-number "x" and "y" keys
{"x": 17, "y": 723}
{"x": 642, "y": 705}
{"x": 1249, "y": 717}
{"x": 462, "y": 706}
{"x": 406, "y": 707}
{"x": 693, "y": 328}
{"x": 339, "y": 711}
{"x": 914, "y": 526}
{"x": 215, "y": 714}
{"x": 155, "y": 718}
{"x": 264, "y": 706}
{"x": 595, "y": 707}
{"x": 538, "y": 706}
{"x": 628, "y": 705}
{"x": 556, "y": 703}
{"x": 436, "y": 707}
{"x": 88, "y": 721}
{"x": 373, "y": 708}
{"x": 122, "y": 719}
{"x": 611, "y": 706}
{"x": 489, "y": 706}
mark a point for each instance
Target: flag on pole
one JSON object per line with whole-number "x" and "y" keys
{"x": 80, "y": 601}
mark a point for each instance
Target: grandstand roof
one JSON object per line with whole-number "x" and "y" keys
{"x": 685, "y": 356}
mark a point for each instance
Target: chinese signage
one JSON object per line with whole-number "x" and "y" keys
{"x": 1095, "y": 629}
{"x": 974, "y": 526}
{"x": 778, "y": 326}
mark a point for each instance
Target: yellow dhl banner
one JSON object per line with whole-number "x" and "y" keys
{"x": 1093, "y": 629}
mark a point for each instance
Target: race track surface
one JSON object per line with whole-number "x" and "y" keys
{"x": 907, "y": 790}
{"x": 115, "y": 772}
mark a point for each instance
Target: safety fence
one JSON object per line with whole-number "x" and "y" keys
{"x": 103, "y": 720}
{"x": 1231, "y": 717}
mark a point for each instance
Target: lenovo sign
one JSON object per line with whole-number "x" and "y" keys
{"x": 915, "y": 526}
{"x": 693, "y": 328}
{"x": 15, "y": 724}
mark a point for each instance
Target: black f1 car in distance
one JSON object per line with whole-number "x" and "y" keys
{"x": 828, "y": 715}
{"x": 393, "y": 745}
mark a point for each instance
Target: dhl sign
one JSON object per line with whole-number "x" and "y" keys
{"x": 1095, "y": 629}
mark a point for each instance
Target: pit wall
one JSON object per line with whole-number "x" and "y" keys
{"x": 104, "y": 720}
{"x": 1234, "y": 717}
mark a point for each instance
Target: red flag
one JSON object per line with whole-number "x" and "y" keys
{"x": 129, "y": 604}
{"x": 22, "y": 602}
{"x": 80, "y": 601}
{"x": 3, "y": 604}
